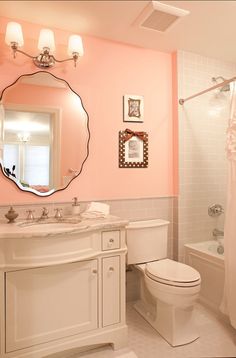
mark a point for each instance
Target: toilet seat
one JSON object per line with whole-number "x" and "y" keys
{"x": 172, "y": 273}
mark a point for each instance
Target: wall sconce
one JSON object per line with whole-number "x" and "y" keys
{"x": 23, "y": 137}
{"x": 46, "y": 45}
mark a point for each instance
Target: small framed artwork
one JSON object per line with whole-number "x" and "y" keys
{"x": 133, "y": 149}
{"x": 133, "y": 108}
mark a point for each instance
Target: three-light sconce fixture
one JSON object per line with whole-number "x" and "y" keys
{"x": 46, "y": 45}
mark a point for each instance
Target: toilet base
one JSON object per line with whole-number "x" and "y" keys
{"x": 174, "y": 324}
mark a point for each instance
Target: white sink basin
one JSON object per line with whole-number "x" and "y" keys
{"x": 49, "y": 226}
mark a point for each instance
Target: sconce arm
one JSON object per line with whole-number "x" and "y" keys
{"x": 40, "y": 59}
{"x": 74, "y": 58}
{"x": 15, "y": 49}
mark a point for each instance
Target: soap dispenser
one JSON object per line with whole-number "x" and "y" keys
{"x": 75, "y": 206}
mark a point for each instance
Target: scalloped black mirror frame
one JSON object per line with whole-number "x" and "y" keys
{"x": 30, "y": 190}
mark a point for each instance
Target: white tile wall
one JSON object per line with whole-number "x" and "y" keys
{"x": 202, "y": 161}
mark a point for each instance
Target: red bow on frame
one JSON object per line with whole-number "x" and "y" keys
{"x": 129, "y": 134}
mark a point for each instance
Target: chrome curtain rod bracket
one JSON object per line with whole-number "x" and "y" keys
{"x": 183, "y": 100}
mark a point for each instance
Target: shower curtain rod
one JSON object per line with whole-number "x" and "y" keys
{"x": 183, "y": 100}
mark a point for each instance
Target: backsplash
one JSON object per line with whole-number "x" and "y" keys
{"x": 131, "y": 209}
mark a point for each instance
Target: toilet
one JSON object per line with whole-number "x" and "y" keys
{"x": 168, "y": 289}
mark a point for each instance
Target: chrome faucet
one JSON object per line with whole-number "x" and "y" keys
{"x": 217, "y": 232}
{"x": 44, "y": 214}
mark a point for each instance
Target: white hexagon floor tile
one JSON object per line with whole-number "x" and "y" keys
{"x": 217, "y": 339}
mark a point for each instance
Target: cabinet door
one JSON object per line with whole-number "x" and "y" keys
{"x": 111, "y": 290}
{"x": 48, "y": 303}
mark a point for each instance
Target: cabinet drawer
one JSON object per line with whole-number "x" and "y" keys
{"x": 110, "y": 240}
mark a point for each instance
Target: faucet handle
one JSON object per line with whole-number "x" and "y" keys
{"x": 44, "y": 214}
{"x": 58, "y": 214}
{"x": 215, "y": 210}
{"x": 30, "y": 215}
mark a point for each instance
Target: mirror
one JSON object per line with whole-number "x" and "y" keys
{"x": 44, "y": 133}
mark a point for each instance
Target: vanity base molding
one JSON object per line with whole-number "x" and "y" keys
{"x": 63, "y": 292}
{"x": 117, "y": 337}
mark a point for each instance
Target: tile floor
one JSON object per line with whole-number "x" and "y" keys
{"x": 217, "y": 339}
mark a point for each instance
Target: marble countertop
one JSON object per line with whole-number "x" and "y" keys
{"x": 53, "y": 228}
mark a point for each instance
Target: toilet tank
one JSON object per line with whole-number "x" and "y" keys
{"x": 146, "y": 240}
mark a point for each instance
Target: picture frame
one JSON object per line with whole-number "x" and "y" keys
{"x": 133, "y": 108}
{"x": 133, "y": 149}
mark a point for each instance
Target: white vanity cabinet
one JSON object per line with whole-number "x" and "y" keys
{"x": 62, "y": 292}
{"x": 48, "y": 303}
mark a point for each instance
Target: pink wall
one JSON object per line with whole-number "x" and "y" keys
{"x": 107, "y": 71}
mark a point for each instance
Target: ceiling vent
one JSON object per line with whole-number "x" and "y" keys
{"x": 160, "y": 17}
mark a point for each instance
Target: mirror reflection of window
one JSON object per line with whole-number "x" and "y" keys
{"x": 36, "y": 169}
{"x": 27, "y": 148}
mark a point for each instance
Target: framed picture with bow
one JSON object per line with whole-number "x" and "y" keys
{"x": 133, "y": 108}
{"x": 133, "y": 149}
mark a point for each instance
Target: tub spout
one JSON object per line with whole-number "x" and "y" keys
{"x": 217, "y": 232}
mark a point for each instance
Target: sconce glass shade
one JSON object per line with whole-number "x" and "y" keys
{"x": 46, "y": 45}
{"x": 46, "y": 39}
{"x": 75, "y": 45}
{"x": 14, "y": 34}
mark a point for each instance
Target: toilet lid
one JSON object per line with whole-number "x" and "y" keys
{"x": 172, "y": 272}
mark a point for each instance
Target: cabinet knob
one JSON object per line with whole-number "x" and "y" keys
{"x": 110, "y": 242}
{"x": 94, "y": 271}
{"x": 111, "y": 269}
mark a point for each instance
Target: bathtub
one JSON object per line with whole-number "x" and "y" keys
{"x": 203, "y": 257}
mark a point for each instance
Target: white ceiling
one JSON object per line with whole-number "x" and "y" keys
{"x": 209, "y": 29}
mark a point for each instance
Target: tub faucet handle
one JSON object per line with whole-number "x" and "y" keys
{"x": 215, "y": 210}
